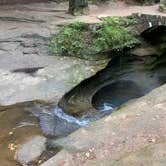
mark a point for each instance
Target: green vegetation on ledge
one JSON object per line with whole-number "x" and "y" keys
{"x": 147, "y": 2}
{"x": 141, "y": 2}
{"x": 83, "y": 40}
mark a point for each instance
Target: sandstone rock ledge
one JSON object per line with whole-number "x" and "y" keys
{"x": 134, "y": 135}
{"x": 49, "y": 83}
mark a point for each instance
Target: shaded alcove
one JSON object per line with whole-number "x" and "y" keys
{"x": 135, "y": 79}
{"x": 115, "y": 94}
{"x": 155, "y": 34}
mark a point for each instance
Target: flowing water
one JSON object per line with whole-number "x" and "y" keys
{"x": 70, "y": 119}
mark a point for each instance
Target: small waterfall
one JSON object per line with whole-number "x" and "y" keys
{"x": 70, "y": 119}
{"x": 107, "y": 107}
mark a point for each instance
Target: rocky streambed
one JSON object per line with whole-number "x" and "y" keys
{"x": 58, "y": 95}
{"x": 36, "y": 131}
{"x": 125, "y": 79}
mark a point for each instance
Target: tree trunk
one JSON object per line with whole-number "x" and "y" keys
{"x": 78, "y": 6}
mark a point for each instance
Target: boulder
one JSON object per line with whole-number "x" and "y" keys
{"x": 31, "y": 150}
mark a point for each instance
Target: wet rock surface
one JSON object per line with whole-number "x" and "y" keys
{"x": 53, "y": 125}
{"x": 31, "y": 150}
{"x": 17, "y": 126}
{"x": 22, "y": 127}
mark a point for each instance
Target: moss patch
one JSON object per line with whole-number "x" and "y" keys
{"x": 83, "y": 40}
{"x": 141, "y": 2}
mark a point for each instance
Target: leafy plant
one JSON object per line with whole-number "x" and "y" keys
{"x": 68, "y": 42}
{"x": 113, "y": 34}
{"x": 80, "y": 39}
{"x": 119, "y": 21}
{"x": 147, "y": 2}
{"x": 141, "y": 2}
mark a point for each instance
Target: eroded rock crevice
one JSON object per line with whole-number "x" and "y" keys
{"x": 142, "y": 67}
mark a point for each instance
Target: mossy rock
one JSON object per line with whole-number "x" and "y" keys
{"x": 86, "y": 40}
{"x": 142, "y": 2}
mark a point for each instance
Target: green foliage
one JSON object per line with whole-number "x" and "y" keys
{"x": 147, "y": 2}
{"x": 141, "y": 2}
{"x": 112, "y": 34}
{"x": 68, "y": 42}
{"x": 80, "y": 39}
{"x": 119, "y": 21}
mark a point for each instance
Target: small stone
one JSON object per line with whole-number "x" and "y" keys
{"x": 12, "y": 147}
{"x": 91, "y": 150}
{"x": 31, "y": 150}
{"x": 87, "y": 154}
{"x": 152, "y": 140}
{"x": 40, "y": 161}
{"x": 10, "y": 133}
{"x": 113, "y": 133}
